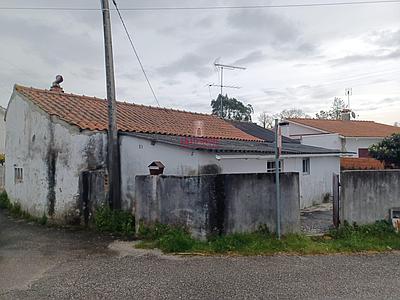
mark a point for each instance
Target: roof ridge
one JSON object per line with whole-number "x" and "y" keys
{"x": 118, "y": 101}
{"x": 316, "y": 119}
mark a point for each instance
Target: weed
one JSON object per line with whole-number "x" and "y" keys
{"x": 115, "y": 221}
{"x": 4, "y": 201}
{"x": 379, "y": 236}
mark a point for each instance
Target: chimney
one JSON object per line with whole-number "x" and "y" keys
{"x": 55, "y": 86}
{"x": 346, "y": 114}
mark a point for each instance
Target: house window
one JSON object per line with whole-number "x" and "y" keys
{"x": 18, "y": 175}
{"x": 271, "y": 166}
{"x": 306, "y": 166}
{"x": 363, "y": 152}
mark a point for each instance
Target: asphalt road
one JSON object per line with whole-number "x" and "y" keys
{"x": 37, "y": 262}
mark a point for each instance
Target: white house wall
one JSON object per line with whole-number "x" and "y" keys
{"x": 52, "y": 155}
{"x": 136, "y": 154}
{"x": 329, "y": 141}
{"x": 2, "y": 131}
{"x": 318, "y": 183}
{"x": 352, "y": 144}
{"x": 295, "y": 131}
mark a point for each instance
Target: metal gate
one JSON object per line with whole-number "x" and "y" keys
{"x": 93, "y": 192}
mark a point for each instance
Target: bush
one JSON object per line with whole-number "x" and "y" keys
{"x": 176, "y": 240}
{"x": 4, "y": 201}
{"x": 114, "y": 221}
{"x": 166, "y": 237}
{"x": 16, "y": 211}
{"x": 379, "y": 228}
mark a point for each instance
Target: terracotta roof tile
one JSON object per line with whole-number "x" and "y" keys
{"x": 348, "y": 163}
{"x": 91, "y": 113}
{"x": 351, "y": 128}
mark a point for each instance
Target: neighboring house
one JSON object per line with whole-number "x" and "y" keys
{"x": 62, "y": 137}
{"x": 353, "y": 137}
{"x": 2, "y": 130}
{"x": 314, "y": 165}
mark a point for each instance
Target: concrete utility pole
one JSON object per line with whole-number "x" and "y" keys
{"x": 277, "y": 183}
{"x": 112, "y": 151}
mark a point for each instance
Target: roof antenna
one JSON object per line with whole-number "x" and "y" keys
{"x": 226, "y": 67}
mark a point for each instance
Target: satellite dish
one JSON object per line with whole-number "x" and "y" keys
{"x": 353, "y": 114}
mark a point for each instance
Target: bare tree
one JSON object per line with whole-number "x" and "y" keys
{"x": 292, "y": 113}
{"x": 335, "y": 112}
{"x": 266, "y": 120}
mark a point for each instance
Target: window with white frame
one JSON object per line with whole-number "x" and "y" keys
{"x": 18, "y": 175}
{"x": 306, "y": 166}
{"x": 271, "y": 166}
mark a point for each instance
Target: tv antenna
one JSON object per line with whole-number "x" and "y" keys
{"x": 226, "y": 67}
{"x": 348, "y": 92}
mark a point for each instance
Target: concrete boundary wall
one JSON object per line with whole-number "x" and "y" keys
{"x": 367, "y": 196}
{"x": 217, "y": 204}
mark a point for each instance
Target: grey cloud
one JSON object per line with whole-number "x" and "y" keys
{"x": 252, "y": 57}
{"x": 391, "y": 100}
{"x": 171, "y": 82}
{"x": 386, "y": 38}
{"x": 244, "y": 31}
{"x": 263, "y": 24}
{"x": 189, "y": 63}
{"x": 376, "y": 56}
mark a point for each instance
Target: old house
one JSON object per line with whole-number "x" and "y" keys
{"x": 56, "y": 151}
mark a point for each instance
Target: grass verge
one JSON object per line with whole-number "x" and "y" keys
{"x": 349, "y": 238}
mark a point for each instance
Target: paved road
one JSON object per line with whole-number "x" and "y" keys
{"x": 44, "y": 263}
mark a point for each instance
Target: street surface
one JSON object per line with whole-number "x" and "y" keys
{"x": 38, "y": 262}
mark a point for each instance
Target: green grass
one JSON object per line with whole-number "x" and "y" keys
{"x": 114, "y": 221}
{"x": 349, "y": 238}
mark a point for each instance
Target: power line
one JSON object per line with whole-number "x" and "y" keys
{"x": 222, "y": 7}
{"x": 134, "y": 50}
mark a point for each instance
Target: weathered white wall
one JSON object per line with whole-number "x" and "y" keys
{"x": 313, "y": 186}
{"x": 2, "y": 131}
{"x": 329, "y": 141}
{"x": 352, "y": 144}
{"x": 137, "y": 154}
{"x": 318, "y": 183}
{"x": 52, "y": 155}
{"x": 295, "y": 131}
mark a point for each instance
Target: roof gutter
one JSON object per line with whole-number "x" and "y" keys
{"x": 263, "y": 157}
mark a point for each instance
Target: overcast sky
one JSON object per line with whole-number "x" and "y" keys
{"x": 295, "y": 57}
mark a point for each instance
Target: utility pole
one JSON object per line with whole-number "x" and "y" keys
{"x": 222, "y": 67}
{"x": 112, "y": 146}
{"x": 277, "y": 182}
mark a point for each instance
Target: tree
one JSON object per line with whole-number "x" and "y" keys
{"x": 335, "y": 113}
{"x": 388, "y": 151}
{"x": 233, "y": 109}
{"x": 292, "y": 113}
{"x": 266, "y": 120}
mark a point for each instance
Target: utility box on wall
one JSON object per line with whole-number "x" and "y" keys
{"x": 156, "y": 168}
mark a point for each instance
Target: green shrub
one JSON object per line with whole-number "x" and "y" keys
{"x": 43, "y": 219}
{"x": 379, "y": 228}
{"x": 16, "y": 210}
{"x": 115, "y": 221}
{"x": 176, "y": 240}
{"x": 4, "y": 201}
